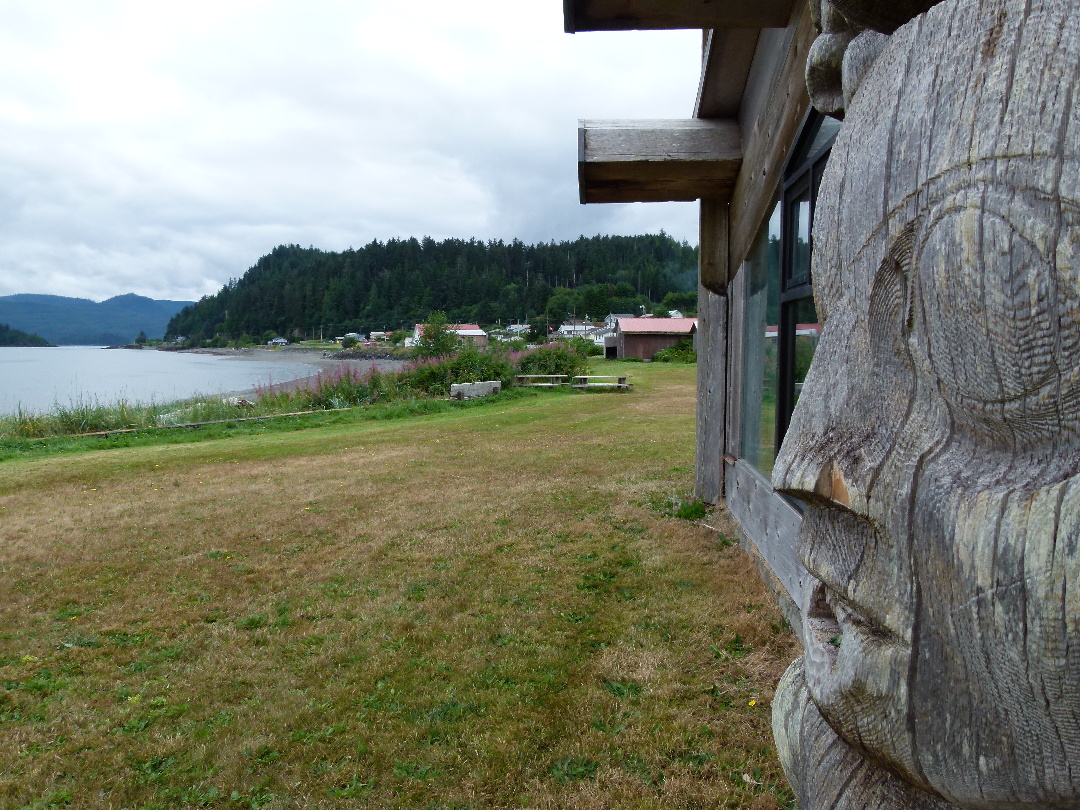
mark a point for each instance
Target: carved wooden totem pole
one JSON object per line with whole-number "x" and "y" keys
{"x": 937, "y": 439}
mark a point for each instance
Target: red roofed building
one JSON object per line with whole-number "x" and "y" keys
{"x": 644, "y": 337}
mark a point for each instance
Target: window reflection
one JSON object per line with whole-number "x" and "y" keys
{"x": 800, "y": 251}
{"x": 760, "y": 346}
{"x": 807, "y": 332}
{"x": 780, "y": 327}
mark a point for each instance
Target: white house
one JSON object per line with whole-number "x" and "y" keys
{"x": 468, "y": 332}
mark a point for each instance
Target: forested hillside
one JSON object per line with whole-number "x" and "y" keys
{"x": 397, "y": 283}
{"x": 16, "y": 337}
{"x": 79, "y": 321}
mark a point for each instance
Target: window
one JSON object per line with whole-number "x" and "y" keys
{"x": 781, "y": 327}
{"x": 760, "y": 356}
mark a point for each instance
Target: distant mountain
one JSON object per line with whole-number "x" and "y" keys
{"x": 16, "y": 337}
{"x": 82, "y": 322}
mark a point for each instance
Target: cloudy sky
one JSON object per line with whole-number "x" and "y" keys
{"x": 162, "y": 147}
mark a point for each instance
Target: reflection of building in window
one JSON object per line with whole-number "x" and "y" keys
{"x": 780, "y": 328}
{"x": 762, "y": 277}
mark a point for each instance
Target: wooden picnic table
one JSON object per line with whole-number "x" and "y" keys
{"x": 586, "y": 381}
{"x": 541, "y": 380}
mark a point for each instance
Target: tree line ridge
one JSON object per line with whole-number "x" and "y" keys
{"x": 395, "y": 284}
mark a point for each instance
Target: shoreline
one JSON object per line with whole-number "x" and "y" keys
{"x": 280, "y": 369}
{"x": 295, "y": 354}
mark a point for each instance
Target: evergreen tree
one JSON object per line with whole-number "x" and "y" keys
{"x": 436, "y": 337}
{"x": 391, "y": 285}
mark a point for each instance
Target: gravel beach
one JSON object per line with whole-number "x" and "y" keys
{"x": 317, "y": 357}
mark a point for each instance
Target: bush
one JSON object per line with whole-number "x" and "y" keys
{"x": 348, "y": 342}
{"x": 681, "y": 352}
{"x": 435, "y": 376}
{"x": 585, "y": 347}
{"x": 554, "y": 358}
{"x": 437, "y": 339}
{"x": 339, "y": 388}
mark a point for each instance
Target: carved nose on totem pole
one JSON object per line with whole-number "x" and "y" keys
{"x": 830, "y": 484}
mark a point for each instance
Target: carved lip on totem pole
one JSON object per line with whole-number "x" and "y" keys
{"x": 936, "y": 442}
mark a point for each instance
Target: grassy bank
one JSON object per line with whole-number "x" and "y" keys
{"x": 491, "y": 606}
{"x": 340, "y": 387}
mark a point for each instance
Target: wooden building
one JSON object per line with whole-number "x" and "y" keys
{"x": 644, "y": 337}
{"x": 935, "y": 467}
{"x": 752, "y": 153}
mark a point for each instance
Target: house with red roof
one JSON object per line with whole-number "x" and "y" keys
{"x": 644, "y": 337}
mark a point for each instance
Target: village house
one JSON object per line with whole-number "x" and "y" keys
{"x": 644, "y": 337}
{"x": 573, "y": 328}
{"x": 468, "y": 332}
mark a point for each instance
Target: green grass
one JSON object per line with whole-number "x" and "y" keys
{"x": 476, "y": 607}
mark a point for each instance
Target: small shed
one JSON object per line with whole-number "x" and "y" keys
{"x": 470, "y": 333}
{"x": 644, "y": 337}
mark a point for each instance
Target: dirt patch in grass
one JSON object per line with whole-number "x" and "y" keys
{"x": 475, "y": 609}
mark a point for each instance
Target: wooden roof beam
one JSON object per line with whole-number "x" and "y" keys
{"x": 657, "y": 160}
{"x": 628, "y": 15}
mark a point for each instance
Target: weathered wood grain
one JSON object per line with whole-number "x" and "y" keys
{"x": 884, "y": 16}
{"x": 736, "y": 299}
{"x": 712, "y": 249}
{"x": 837, "y": 776}
{"x": 657, "y": 160}
{"x": 770, "y": 521}
{"x": 937, "y": 438}
{"x": 626, "y": 15}
{"x": 776, "y": 104}
{"x": 726, "y": 59}
{"x": 711, "y": 394}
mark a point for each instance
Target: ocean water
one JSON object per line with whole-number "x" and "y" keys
{"x": 37, "y": 379}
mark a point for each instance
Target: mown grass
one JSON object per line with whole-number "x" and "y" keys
{"x": 486, "y": 607}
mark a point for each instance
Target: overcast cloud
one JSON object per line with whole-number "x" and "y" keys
{"x": 161, "y": 148}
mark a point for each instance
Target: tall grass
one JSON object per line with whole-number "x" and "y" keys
{"x": 91, "y": 416}
{"x": 339, "y": 387}
{"x": 427, "y": 377}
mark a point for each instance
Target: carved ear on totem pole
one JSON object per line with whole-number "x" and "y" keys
{"x": 936, "y": 442}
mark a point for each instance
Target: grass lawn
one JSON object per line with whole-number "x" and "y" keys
{"x": 490, "y": 606}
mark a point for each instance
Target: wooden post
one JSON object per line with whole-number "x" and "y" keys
{"x": 712, "y": 354}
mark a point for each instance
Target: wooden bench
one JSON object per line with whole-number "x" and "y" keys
{"x": 585, "y": 382}
{"x": 541, "y": 380}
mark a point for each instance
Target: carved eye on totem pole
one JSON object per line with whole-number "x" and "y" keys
{"x": 937, "y": 439}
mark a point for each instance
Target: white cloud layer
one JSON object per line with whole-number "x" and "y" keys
{"x": 161, "y": 148}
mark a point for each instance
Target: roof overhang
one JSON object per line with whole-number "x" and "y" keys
{"x": 657, "y": 160}
{"x": 629, "y": 15}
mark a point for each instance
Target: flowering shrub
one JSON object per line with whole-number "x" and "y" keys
{"x": 470, "y": 365}
{"x": 345, "y": 387}
{"x": 554, "y": 358}
{"x": 342, "y": 387}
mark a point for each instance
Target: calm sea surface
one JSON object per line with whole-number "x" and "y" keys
{"x": 36, "y": 379}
